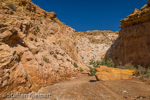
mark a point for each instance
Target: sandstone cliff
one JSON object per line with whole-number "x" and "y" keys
{"x": 133, "y": 44}
{"x": 36, "y": 49}
{"x": 94, "y": 44}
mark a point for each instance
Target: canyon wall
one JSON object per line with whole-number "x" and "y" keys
{"x": 92, "y": 45}
{"x": 36, "y": 49}
{"x": 133, "y": 44}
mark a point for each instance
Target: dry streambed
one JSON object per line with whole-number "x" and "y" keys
{"x": 84, "y": 87}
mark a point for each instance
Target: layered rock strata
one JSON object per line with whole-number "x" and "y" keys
{"x": 133, "y": 44}
{"x": 92, "y": 45}
{"x": 36, "y": 49}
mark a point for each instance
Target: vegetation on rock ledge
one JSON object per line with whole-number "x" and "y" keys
{"x": 95, "y": 64}
{"x": 11, "y": 5}
{"x": 75, "y": 65}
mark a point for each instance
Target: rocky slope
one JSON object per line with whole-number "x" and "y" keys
{"x": 133, "y": 44}
{"x": 36, "y": 49}
{"x": 94, "y": 44}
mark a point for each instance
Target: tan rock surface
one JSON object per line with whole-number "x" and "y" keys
{"x": 132, "y": 45}
{"x": 36, "y": 49}
{"x": 93, "y": 44}
{"x": 104, "y": 73}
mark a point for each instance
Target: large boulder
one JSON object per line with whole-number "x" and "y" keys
{"x": 104, "y": 73}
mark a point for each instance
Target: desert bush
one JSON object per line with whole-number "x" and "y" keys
{"x": 93, "y": 40}
{"x": 55, "y": 55}
{"x": 81, "y": 69}
{"x": 144, "y": 72}
{"x": 38, "y": 29}
{"x": 54, "y": 43}
{"x": 103, "y": 61}
{"x": 91, "y": 62}
{"x": 110, "y": 63}
{"x": 75, "y": 65}
{"x": 148, "y": 72}
{"x": 2, "y": 0}
{"x": 141, "y": 70}
{"x": 11, "y": 5}
{"x": 92, "y": 70}
{"x": 95, "y": 64}
{"x": 129, "y": 66}
{"x": 46, "y": 59}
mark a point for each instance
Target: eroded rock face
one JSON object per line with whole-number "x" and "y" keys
{"x": 36, "y": 49}
{"x": 93, "y": 44}
{"x": 132, "y": 45}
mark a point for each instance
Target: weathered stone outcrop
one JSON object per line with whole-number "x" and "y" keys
{"x": 93, "y": 44}
{"x": 27, "y": 7}
{"x": 36, "y": 49}
{"x": 104, "y": 73}
{"x": 133, "y": 44}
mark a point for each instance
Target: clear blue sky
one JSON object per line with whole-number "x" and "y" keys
{"x": 83, "y": 15}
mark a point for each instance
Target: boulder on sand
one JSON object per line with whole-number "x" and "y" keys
{"x": 104, "y": 73}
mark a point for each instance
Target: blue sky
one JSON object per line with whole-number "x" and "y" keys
{"x": 83, "y": 15}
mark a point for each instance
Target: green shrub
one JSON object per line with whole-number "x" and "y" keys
{"x": 54, "y": 43}
{"x": 103, "y": 61}
{"x": 81, "y": 69}
{"x": 46, "y": 59}
{"x": 144, "y": 72}
{"x": 96, "y": 64}
{"x": 38, "y": 29}
{"x": 75, "y": 65}
{"x": 129, "y": 66}
{"x": 93, "y": 40}
{"x": 11, "y": 5}
{"x": 92, "y": 71}
{"x": 55, "y": 55}
{"x": 141, "y": 70}
{"x": 59, "y": 43}
{"x": 110, "y": 63}
{"x": 2, "y": 0}
{"x": 148, "y": 72}
{"x": 91, "y": 62}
